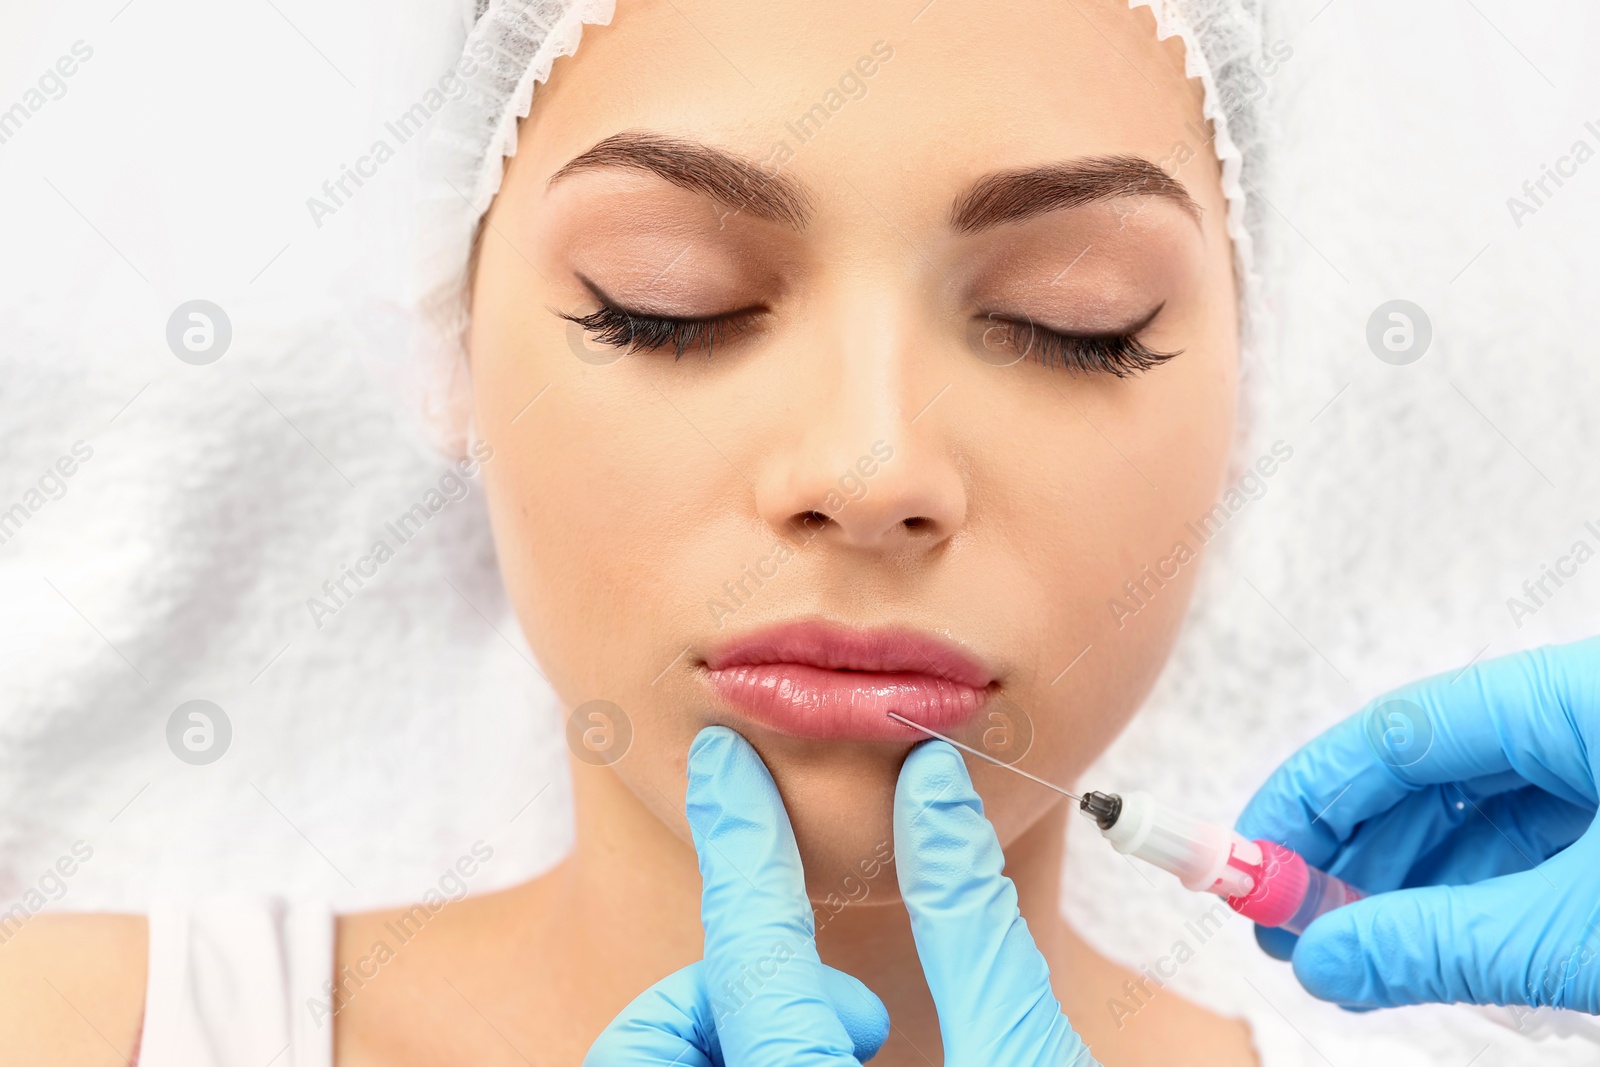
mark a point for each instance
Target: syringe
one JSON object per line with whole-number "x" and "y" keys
{"x": 1261, "y": 880}
{"x": 1264, "y": 881}
{"x": 1267, "y": 884}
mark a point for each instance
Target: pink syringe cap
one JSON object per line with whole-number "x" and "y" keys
{"x": 1280, "y": 880}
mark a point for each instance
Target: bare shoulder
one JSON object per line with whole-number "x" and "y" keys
{"x": 72, "y": 989}
{"x": 456, "y": 981}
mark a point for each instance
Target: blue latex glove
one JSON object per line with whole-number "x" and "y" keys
{"x": 1473, "y": 798}
{"x": 988, "y": 979}
{"x": 761, "y": 997}
{"x": 989, "y": 982}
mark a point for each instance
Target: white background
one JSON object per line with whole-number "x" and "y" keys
{"x": 177, "y": 565}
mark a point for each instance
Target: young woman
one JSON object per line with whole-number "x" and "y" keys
{"x": 825, "y": 363}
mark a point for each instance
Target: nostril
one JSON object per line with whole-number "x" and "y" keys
{"x": 811, "y": 520}
{"x": 916, "y": 522}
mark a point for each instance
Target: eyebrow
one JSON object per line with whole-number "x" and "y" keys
{"x": 1012, "y": 196}
{"x": 732, "y": 180}
{"x": 1007, "y": 196}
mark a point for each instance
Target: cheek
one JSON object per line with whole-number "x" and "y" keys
{"x": 610, "y": 508}
{"x": 593, "y": 501}
{"x": 1090, "y": 484}
{"x": 1093, "y": 514}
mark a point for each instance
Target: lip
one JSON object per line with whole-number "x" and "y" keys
{"x": 822, "y": 681}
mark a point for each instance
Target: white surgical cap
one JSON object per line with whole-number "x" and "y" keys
{"x": 511, "y": 44}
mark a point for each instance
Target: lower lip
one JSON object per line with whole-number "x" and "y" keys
{"x": 825, "y": 705}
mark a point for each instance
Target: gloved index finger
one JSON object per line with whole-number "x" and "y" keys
{"x": 762, "y": 969}
{"x": 1535, "y": 714}
{"x": 990, "y": 983}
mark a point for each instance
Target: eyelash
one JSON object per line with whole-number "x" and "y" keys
{"x": 1119, "y": 354}
{"x": 621, "y": 328}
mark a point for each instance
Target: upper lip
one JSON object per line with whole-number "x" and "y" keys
{"x": 818, "y": 643}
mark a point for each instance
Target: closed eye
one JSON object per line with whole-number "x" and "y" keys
{"x": 1118, "y": 352}
{"x": 635, "y": 331}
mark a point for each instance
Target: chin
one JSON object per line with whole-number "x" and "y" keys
{"x": 840, "y": 800}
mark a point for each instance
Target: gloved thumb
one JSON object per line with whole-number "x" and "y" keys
{"x": 1508, "y": 940}
{"x": 674, "y": 1022}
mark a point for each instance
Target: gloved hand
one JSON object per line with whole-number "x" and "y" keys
{"x": 760, "y": 997}
{"x": 989, "y": 982}
{"x": 1472, "y": 796}
{"x": 988, "y": 979}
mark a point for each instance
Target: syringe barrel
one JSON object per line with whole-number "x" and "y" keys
{"x": 1263, "y": 881}
{"x": 1206, "y": 857}
{"x": 1289, "y": 893}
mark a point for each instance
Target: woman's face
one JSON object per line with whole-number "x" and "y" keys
{"x": 957, "y": 320}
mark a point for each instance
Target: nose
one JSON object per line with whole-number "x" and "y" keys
{"x": 880, "y": 496}
{"x": 866, "y": 464}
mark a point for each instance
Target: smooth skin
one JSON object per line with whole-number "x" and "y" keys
{"x": 1019, "y": 500}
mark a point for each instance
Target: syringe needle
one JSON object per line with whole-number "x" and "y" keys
{"x": 983, "y": 755}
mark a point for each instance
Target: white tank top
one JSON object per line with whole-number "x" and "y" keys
{"x": 244, "y": 982}
{"x": 238, "y": 982}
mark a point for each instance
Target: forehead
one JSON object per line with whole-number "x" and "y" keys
{"x": 914, "y": 96}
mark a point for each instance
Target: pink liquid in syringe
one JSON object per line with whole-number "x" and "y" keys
{"x": 1289, "y": 893}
